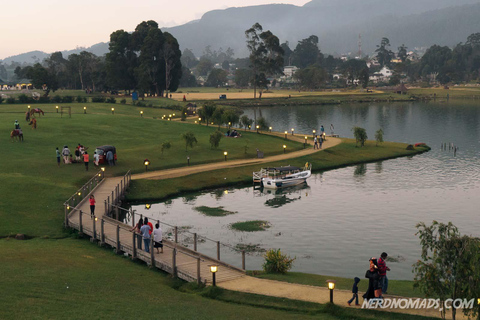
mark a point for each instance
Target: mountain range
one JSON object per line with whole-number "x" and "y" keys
{"x": 337, "y": 23}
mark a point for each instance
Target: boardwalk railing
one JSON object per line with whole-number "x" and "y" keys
{"x": 114, "y": 199}
{"x": 194, "y": 239}
{"x": 82, "y": 193}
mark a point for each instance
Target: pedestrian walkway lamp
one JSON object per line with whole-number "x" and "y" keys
{"x": 84, "y": 110}
{"x": 146, "y": 162}
{"x": 103, "y": 172}
{"x": 270, "y": 128}
{"x": 284, "y": 148}
{"x": 28, "y": 108}
{"x": 258, "y": 127}
{"x": 148, "y": 206}
{"x": 286, "y": 134}
{"x": 313, "y": 132}
{"x": 113, "y": 110}
{"x": 292, "y": 131}
{"x": 56, "y": 107}
{"x": 331, "y": 287}
{"x": 199, "y": 120}
{"x": 305, "y": 144}
{"x": 213, "y": 270}
{"x": 141, "y": 113}
{"x": 225, "y": 154}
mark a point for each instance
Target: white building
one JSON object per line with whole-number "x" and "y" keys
{"x": 289, "y": 71}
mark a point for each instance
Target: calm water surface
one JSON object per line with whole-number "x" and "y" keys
{"x": 342, "y": 217}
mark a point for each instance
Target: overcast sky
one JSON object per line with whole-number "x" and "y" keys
{"x": 55, "y": 25}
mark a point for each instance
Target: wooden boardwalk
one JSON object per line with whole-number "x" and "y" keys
{"x": 176, "y": 259}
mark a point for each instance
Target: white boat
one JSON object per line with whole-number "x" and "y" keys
{"x": 280, "y": 177}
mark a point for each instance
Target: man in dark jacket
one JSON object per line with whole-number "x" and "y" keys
{"x": 355, "y": 291}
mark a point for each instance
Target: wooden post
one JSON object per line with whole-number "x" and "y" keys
{"x": 152, "y": 254}
{"x": 113, "y": 200}
{"x": 133, "y": 217}
{"x": 121, "y": 188}
{"x": 94, "y": 228}
{"x": 218, "y": 250}
{"x": 80, "y": 226}
{"x": 195, "y": 241}
{"x": 243, "y": 259}
{"x": 134, "y": 250}
{"x": 199, "y": 280}
{"x": 176, "y": 234}
{"x": 117, "y": 249}
{"x": 102, "y": 231}
{"x": 66, "y": 216}
{"x": 174, "y": 262}
{"x": 106, "y": 212}
{"x": 116, "y": 213}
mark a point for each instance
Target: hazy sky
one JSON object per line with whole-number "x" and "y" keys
{"x": 55, "y": 25}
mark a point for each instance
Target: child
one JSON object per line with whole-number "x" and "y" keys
{"x": 355, "y": 292}
{"x": 157, "y": 237}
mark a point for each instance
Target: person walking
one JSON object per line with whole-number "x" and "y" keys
{"x": 382, "y": 272}
{"x": 96, "y": 158}
{"x": 372, "y": 276}
{"x": 136, "y": 229}
{"x": 65, "y": 154}
{"x": 356, "y": 280}
{"x": 320, "y": 142}
{"x": 331, "y": 128}
{"x": 92, "y": 205}
{"x": 58, "y": 156}
{"x": 145, "y": 231}
{"x": 315, "y": 143}
{"x": 86, "y": 159}
{"x": 157, "y": 237}
{"x": 110, "y": 158}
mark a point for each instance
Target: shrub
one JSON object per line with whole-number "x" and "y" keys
{"x": 68, "y": 99}
{"x": 111, "y": 100}
{"x": 123, "y": 101}
{"x": 44, "y": 99}
{"x": 215, "y": 138}
{"x": 81, "y": 99}
{"x": 140, "y": 104}
{"x": 1, "y": 100}
{"x": 184, "y": 114}
{"x": 165, "y": 146}
{"x": 276, "y": 262}
{"x": 262, "y": 123}
{"x": 10, "y": 100}
{"x": 57, "y": 99}
{"x": 98, "y": 99}
{"x": 23, "y": 98}
{"x": 379, "y": 136}
{"x": 360, "y": 135}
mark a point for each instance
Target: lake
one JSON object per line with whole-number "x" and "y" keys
{"x": 342, "y": 217}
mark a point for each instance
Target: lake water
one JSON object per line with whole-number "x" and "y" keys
{"x": 342, "y": 217}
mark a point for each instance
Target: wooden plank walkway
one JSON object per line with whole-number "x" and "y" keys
{"x": 189, "y": 265}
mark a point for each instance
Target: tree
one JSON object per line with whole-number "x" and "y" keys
{"x": 215, "y": 138}
{"x": 226, "y": 65}
{"x": 121, "y": 61}
{"x": 384, "y": 55}
{"x": 449, "y": 265}
{"x": 188, "y": 79}
{"x": 165, "y": 146}
{"x": 266, "y": 55}
{"x": 173, "y": 65}
{"x": 352, "y": 70}
{"x": 230, "y": 117}
{"x": 276, "y": 262}
{"x": 188, "y": 59}
{"x": 311, "y": 77}
{"x": 435, "y": 61}
{"x": 402, "y": 53}
{"x": 379, "y": 136}
{"x": 242, "y": 77}
{"x": 3, "y": 72}
{"x": 287, "y": 54}
{"x": 246, "y": 122}
{"x": 207, "y": 111}
{"x": 360, "y": 135}
{"x": 190, "y": 139}
{"x": 307, "y": 53}
{"x": 204, "y": 67}
{"x": 365, "y": 77}
{"x": 262, "y": 123}
{"x": 216, "y": 78}
{"x": 217, "y": 116}
{"x": 42, "y": 78}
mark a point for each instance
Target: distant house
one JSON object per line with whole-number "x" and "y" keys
{"x": 289, "y": 71}
{"x": 401, "y": 89}
{"x": 191, "y": 109}
{"x": 382, "y": 76}
{"x": 201, "y": 80}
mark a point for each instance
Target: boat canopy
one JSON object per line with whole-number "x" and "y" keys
{"x": 284, "y": 169}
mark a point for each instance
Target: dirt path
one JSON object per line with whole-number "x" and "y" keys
{"x": 185, "y": 171}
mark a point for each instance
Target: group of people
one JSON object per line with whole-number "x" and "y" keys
{"x": 377, "y": 280}
{"x": 144, "y": 230}
{"x": 234, "y": 133}
{"x": 81, "y": 155}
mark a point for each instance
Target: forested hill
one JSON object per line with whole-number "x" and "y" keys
{"x": 337, "y": 23}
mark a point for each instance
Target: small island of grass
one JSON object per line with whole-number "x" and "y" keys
{"x": 213, "y": 211}
{"x": 250, "y": 226}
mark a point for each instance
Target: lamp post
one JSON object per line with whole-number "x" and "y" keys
{"x": 188, "y": 160}
{"x": 84, "y": 110}
{"x": 141, "y": 113}
{"x": 313, "y": 133}
{"x": 56, "y": 107}
{"x": 305, "y": 144}
{"x": 286, "y": 134}
{"x": 199, "y": 120}
{"x": 225, "y": 154}
{"x": 331, "y": 287}
{"x": 148, "y": 206}
{"x": 292, "y": 131}
{"x": 29, "y": 108}
{"x": 270, "y": 128}
{"x": 113, "y": 110}
{"x": 213, "y": 270}
{"x": 146, "y": 162}
{"x": 284, "y": 148}
{"x": 103, "y": 171}
{"x": 258, "y": 127}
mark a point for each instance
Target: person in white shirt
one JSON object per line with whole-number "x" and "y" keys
{"x": 157, "y": 238}
{"x": 96, "y": 158}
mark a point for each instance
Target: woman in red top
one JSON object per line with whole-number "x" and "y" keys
{"x": 86, "y": 160}
{"x": 92, "y": 205}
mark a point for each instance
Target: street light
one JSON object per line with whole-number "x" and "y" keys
{"x": 270, "y": 128}
{"x": 148, "y": 206}
{"x": 146, "y": 162}
{"x": 305, "y": 144}
{"x": 286, "y": 134}
{"x": 314, "y": 131}
{"x": 331, "y": 287}
{"x": 141, "y": 113}
{"x": 258, "y": 127}
{"x": 292, "y": 131}
{"x": 284, "y": 148}
{"x": 84, "y": 110}
{"x": 28, "y": 108}
{"x": 225, "y": 154}
{"x": 213, "y": 270}
{"x": 113, "y": 110}
{"x": 56, "y": 107}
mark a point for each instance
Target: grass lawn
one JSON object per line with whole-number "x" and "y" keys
{"x": 342, "y": 155}
{"x": 36, "y": 188}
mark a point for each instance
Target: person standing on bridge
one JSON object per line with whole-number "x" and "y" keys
{"x": 145, "y": 230}
{"x": 92, "y": 205}
{"x": 136, "y": 229}
{"x": 157, "y": 237}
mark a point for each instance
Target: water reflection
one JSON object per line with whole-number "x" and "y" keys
{"x": 284, "y": 196}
